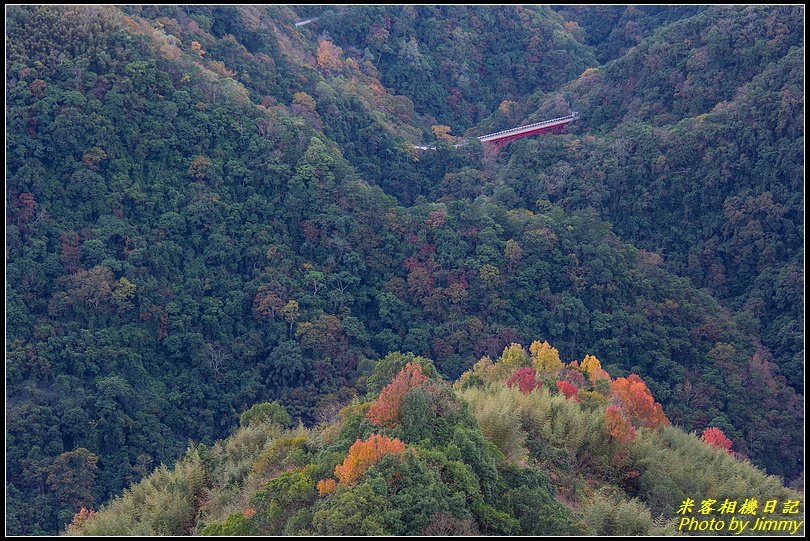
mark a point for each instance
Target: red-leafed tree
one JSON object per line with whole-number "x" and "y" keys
{"x": 715, "y": 437}
{"x": 526, "y": 380}
{"x": 568, "y": 390}
{"x": 420, "y": 280}
{"x": 386, "y": 409}
{"x": 25, "y": 209}
{"x": 364, "y": 454}
{"x": 436, "y": 218}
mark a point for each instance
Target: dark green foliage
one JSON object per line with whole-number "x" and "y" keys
{"x": 457, "y": 63}
{"x": 273, "y": 412}
{"x": 433, "y": 412}
{"x": 494, "y": 522}
{"x": 279, "y": 501}
{"x": 471, "y": 448}
{"x": 417, "y": 493}
{"x": 186, "y": 239}
{"x": 529, "y": 497}
{"x": 612, "y": 29}
{"x": 358, "y": 510}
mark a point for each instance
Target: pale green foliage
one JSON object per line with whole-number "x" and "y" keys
{"x": 233, "y": 467}
{"x": 499, "y": 419}
{"x": 165, "y": 503}
{"x": 508, "y": 416}
{"x": 266, "y": 412}
{"x": 675, "y": 465}
{"x": 240, "y": 451}
{"x": 215, "y": 483}
{"x": 611, "y": 513}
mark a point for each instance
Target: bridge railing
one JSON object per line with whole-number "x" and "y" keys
{"x": 528, "y": 126}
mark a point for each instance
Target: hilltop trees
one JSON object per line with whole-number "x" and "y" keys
{"x": 518, "y": 463}
{"x": 715, "y": 437}
{"x": 387, "y": 409}
{"x": 364, "y": 454}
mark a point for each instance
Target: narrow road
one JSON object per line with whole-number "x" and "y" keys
{"x": 306, "y": 21}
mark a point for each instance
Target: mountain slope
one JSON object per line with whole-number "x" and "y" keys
{"x": 506, "y": 452}
{"x": 205, "y": 213}
{"x": 695, "y": 151}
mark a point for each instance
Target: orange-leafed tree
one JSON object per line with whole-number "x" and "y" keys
{"x": 326, "y": 486}
{"x": 197, "y": 47}
{"x": 715, "y": 437}
{"x": 637, "y": 401}
{"x": 329, "y": 56}
{"x": 386, "y": 409}
{"x": 364, "y": 454}
{"x": 618, "y": 425}
{"x": 267, "y": 303}
{"x": 80, "y": 518}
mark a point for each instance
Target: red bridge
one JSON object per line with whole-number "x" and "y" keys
{"x": 502, "y": 138}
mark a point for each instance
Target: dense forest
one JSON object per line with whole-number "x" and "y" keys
{"x": 215, "y": 216}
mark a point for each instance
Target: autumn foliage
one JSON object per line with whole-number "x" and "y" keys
{"x": 618, "y": 425}
{"x": 364, "y": 454}
{"x": 715, "y": 437}
{"x": 593, "y": 368}
{"x": 544, "y": 357}
{"x": 526, "y": 380}
{"x": 637, "y": 402}
{"x": 386, "y": 409}
{"x": 630, "y": 404}
{"x": 326, "y": 486}
{"x": 442, "y": 133}
{"x": 329, "y": 56}
{"x": 80, "y": 518}
{"x": 568, "y": 390}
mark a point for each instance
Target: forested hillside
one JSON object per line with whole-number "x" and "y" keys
{"x": 698, "y": 155}
{"x": 210, "y": 208}
{"x": 524, "y": 445}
